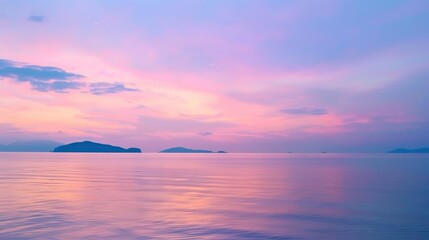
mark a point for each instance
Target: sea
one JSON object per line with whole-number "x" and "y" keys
{"x": 213, "y": 196}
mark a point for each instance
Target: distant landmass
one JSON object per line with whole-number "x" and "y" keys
{"x": 187, "y": 150}
{"x": 88, "y": 146}
{"x": 30, "y": 146}
{"x": 404, "y": 150}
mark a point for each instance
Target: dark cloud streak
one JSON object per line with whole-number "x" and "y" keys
{"x": 36, "y": 18}
{"x": 205, "y": 133}
{"x": 102, "y": 88}
{"x": 304, "y": 111}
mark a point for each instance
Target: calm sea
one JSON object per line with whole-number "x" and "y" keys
{"x": 214, "y": 196}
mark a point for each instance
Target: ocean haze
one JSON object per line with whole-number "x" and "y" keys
{"x": 30, "y": 146}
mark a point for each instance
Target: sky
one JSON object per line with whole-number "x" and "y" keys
{"x": 240, "y": 76}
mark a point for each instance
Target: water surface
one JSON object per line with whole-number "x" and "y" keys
{"x": 213, "y": 196}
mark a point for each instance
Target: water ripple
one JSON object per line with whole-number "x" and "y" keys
{"x": 205, "y": 196}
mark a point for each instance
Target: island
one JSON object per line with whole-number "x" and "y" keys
{"x": 404, "y": 150}
{"x": 187, "y": 150}
{"x": 93, "y": 147}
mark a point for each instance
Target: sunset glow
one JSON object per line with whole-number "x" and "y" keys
{"x": 242, "y": 76}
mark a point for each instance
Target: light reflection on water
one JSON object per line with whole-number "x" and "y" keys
{"x": 213, "y": 196}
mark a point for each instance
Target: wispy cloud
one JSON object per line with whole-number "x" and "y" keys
{"x": 101, "y": 88}
{"x": 205, "y": 133}
{"x": 304, "y": 111}
{"x": 36, "y": 18}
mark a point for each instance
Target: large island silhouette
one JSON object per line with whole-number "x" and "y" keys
{"x": 88, "y": 146}
{"x": 187, "y": 150}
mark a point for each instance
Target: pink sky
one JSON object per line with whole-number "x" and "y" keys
{"x": 240, "y": 76}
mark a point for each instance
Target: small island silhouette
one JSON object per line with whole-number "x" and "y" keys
{"x": 187, "y": 150}
{"x": 88, "y": 146}
{"x": 404, "y": 150}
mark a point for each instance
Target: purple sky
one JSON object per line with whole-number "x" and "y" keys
{"x": 240, "y": 76}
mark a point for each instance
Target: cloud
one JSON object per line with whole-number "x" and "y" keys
{"x": 53, "y": 79}
{"x": 57, "y": 86}
{"x": 24, "y": 72}
{"x": 101, "y": 88}
{"x": 41, "y": 78}
{"x": 304, "y": 111}
{"x": 36, "y": 18}
{"x": 205, "y": 133}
